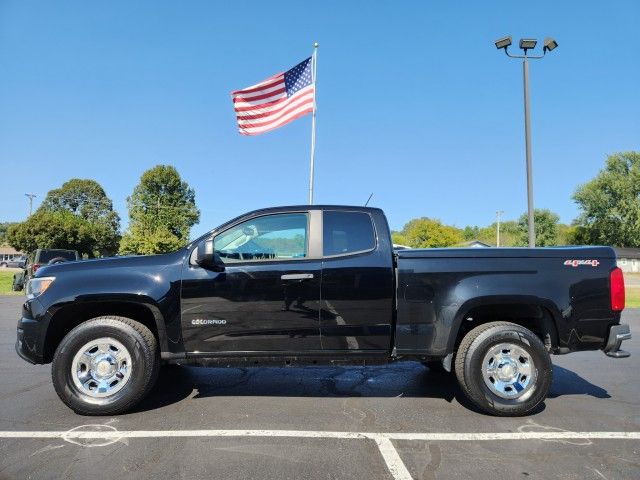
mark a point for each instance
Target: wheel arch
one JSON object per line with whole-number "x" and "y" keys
{"x": 536, "y": 314}
{"x": 67, "y": 317}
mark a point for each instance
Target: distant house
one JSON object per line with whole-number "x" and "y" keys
{"x": 473, "y": 244}
{"x": 9, "y": 253}
{"x": 628, "y": 259}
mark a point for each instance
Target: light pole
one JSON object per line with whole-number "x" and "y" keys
{"x": 498, "y": 218}
{"x": 527, "y": 44}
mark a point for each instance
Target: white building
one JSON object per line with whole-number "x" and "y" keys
{"x": 628, "y": 259}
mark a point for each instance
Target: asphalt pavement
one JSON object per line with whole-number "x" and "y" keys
{"x": 390, "y": 422}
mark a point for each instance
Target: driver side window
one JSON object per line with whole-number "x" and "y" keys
{"x": 272, "y": 237}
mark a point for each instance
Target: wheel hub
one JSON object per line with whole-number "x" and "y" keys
{"x": 509, "y": 371}
{"x": 104, "y": 367}
{"x": 101, "y": 367}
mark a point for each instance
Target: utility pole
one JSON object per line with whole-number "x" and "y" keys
{"x": 499, "y": 214}
{"x": 31, "y": 196}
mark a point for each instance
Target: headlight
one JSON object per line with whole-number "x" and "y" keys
{"x": 37, "y": 286}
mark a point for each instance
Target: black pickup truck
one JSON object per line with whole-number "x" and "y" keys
{"x": 316, "y": 285}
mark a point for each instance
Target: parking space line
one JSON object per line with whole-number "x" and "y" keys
{"x": 390, "y": 455}
{"x": 392, "y": 459}
{"x": 87, "y": 433}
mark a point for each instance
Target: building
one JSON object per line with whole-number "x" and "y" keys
{"x": 9, "y": 253}
{"x": 628, "y": 259}
{"x": 473, "y": 244}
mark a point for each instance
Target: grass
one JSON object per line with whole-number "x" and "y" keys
{"x": 632, "y": 295}
{"x": 6, "y": 280}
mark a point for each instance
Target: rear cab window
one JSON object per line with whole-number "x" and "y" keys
{"x": 347, "y": 233}
{"x": 48, "y": 255}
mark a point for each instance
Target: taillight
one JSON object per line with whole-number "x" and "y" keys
{"x": 616, "y": 288}
{"x": 35, "y": 267}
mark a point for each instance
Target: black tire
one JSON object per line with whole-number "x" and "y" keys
{"x": 435, "y": 366}
{"x": 136, "y": 338}
{"x": 469, "y": 363}
{"x": 16, "y": 287}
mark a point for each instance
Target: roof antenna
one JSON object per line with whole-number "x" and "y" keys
{"x": 367, "y": 203}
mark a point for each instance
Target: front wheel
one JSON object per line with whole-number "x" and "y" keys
{"x": 105, "y": 366}
{"x": 504, "y": 369}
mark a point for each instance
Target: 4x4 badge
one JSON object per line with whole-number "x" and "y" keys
{"x": 577, "y": 263}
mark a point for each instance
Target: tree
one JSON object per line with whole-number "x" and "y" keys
{"x": 568, "y": 234}
{"x": 53, "y": 229}
{"x": 610, "y": 204}
{"x": 4, "y": 227}
{"x": 428, "y": 233}
{"x": 509, "y": 234}
{"x": 162, "y": 210}
{"x": 471, "y": 233}
{"x": 77, "y": 216}
{"x": 546, "y": 228}
{"x": 87, "y": 200}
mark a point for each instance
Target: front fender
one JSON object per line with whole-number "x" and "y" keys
{"x": 109, "y": 291}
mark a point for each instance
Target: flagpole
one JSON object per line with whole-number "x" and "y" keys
{"x": 313, "y": 122}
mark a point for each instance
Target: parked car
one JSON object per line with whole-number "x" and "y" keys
{"x": 39, "y": 258}
{"x": 15, "y": 262}
{"x": 321, "y": 285}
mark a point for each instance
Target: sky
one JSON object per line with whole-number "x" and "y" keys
{"x": 415, "y": 104}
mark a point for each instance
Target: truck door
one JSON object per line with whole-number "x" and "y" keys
{"x": 357, "y": 282}
{"x": 267, "y": 297}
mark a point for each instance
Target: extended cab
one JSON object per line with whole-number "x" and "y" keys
{"x": 321, "y": 284}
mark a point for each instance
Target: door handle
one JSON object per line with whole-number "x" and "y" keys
{"x": 296, "y": 276}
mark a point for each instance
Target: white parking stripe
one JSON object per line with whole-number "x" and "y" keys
{"x": 392, "y": 459}
{"x": 454, "y": 437}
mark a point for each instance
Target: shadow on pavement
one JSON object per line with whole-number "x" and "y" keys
{"x": 405, "y": 379}
{"x": 566, "y": 382}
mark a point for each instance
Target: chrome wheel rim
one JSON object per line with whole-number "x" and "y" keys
{"x": 101, "y": 367}
{"x": 509, "y": 371}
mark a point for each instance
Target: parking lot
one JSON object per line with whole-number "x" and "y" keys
{"x": 399, "y": 421}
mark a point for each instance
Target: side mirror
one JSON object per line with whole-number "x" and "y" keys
{"x": 206, "y": 256}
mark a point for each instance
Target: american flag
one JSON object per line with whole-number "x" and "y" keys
{"x": 275, "y": 101}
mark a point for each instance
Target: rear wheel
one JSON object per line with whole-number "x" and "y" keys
{"x": 105, "y": 366}
{"x": 504, "y": 369}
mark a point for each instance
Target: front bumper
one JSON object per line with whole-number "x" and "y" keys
{"x": 617, "y": 334}
{"x": 28, "y": 341}
{"x": 31, "y": 330}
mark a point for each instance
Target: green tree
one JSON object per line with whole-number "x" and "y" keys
{"x": 87, "y": 200}
{"x": 53, "y": 229}
{"x": 429, "y": 233}
{"x": 610, "y": 204}
{"x": 398, "y": 239}
{"x": 546, "y": 227}
{"x": 568, "y": 234}
{"x": 162, "y": 210}
{"x": 4, "y": 227}
{"x": 509, "y": 234}
{"x": 471, "y": 233}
